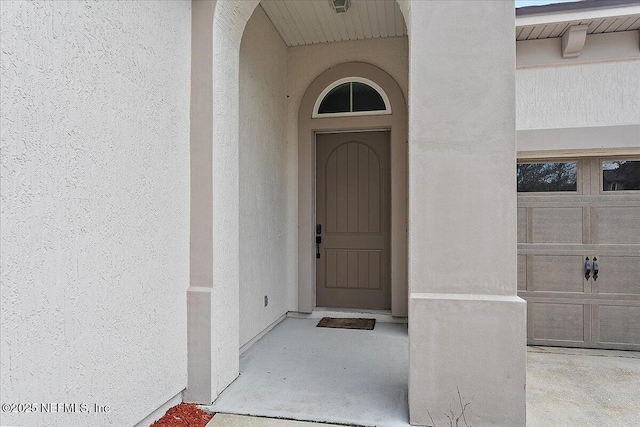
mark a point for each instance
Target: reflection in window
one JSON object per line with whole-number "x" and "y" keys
{"x": 338, "y": 100}
{"x": 620, "y": 175}
{"x": 352, "y": 97}
{"x": 366, "y": 98}
{"x": 544, "y": 177}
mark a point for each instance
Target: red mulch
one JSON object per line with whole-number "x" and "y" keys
{"x": 183, "y": 415}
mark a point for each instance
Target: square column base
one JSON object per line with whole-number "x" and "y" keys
{"x": 213, "y": 353}
{"x": 472, "y": 343}
{"x": 199, "y": 351}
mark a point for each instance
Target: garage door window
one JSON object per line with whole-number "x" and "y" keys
{"x": 547, "y": 177}
{"x": 620, "y": 175}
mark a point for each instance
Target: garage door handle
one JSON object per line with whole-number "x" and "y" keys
{"x": 595, "y": 268}
{"x": 587, "y": 267}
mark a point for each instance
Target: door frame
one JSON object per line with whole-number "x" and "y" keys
{"x": 308, "y": 128}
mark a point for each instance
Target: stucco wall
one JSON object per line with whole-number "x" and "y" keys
{"x": 578, "y": 95}
{"x": 95, "y": 207}
{"x": 308, "y": 62}
{"x": 263, "y": 179}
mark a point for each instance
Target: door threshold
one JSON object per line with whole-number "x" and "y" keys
{"x": 350, "y": 313}
{"x": 354, "y": 310}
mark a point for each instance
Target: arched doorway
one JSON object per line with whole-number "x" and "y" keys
{"x": 311, "y": 123}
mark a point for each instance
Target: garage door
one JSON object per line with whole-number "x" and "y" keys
{"x": 574, "y": 215}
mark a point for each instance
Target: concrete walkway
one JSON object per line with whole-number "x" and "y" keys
{"x": 298, "y": 371}
{"x": 230, "y": 420}
{"x": 586, "y": 388}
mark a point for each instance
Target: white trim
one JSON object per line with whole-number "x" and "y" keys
{"x": 603, "y": 138}
{"x": 580, "y": 15}
{"x": 374, "y": 85}
{"x": 598, "y": 48}
{"x": 570, "y": 154}
{"x": 373, "y": 129}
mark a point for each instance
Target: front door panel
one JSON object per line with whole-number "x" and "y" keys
{"x": 353, "y": 208}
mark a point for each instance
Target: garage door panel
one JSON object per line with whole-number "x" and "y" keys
{"x": 522, "y": 225}
{"x": 556, "y": 273}
{"x": 619, "y": 324}
{"x": 615, "y": 225}
{"x": 618, "y": 275}
{"x": 556, "y": 225}
{"x": 557, "y": 230}
{"x": 558, "y": 322}
{"x": 522, "y": 272}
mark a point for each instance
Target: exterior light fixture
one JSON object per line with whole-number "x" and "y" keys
{"x": 340, "y": 6}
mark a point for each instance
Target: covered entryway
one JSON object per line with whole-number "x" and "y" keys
{"x": 253, "y": 217}
{"x": 579, "y": 251}
{"x": 353, "y": 212}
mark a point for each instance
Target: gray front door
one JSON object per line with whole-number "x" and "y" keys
{"x": 353, "y": 195}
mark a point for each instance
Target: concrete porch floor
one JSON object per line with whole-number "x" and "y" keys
{"x": 301, "y": 372}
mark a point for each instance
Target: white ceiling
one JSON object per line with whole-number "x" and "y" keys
{"x": 302, "y": 22}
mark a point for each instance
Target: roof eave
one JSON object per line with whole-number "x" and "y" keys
{"x": 575, "y": 11}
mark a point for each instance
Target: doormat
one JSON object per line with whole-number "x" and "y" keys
{"x": 342, "y": 323}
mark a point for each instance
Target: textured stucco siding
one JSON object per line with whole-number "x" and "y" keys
{"x": 95, "y": 207}
{"x": 578, "y": 95}
{"x": 263, "y": 179}
{"x": 308, "y": 62}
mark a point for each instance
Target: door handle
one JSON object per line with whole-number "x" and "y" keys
{"x": 596, "y": 269}
{"x": 318, "y": 239}
{"x": 587, "y": 267}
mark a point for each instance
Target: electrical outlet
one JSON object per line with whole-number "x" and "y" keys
{"x": 266, "y": 300}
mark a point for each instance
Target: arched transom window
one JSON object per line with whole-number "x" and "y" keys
{"x": 351, "y": 96}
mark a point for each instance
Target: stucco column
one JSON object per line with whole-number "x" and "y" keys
{"x": 213, "y": 294}
{"x": 467, "y": 327}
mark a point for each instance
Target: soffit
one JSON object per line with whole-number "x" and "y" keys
{"x": 310, "y": 22}
{"x": 532, "y": 26}
{"x": 303, "y": 22}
